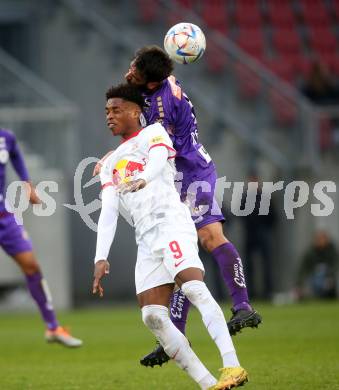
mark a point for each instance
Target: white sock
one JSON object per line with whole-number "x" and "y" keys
{"x": 230, "y": 359}
{"x": 175, "y": 344}
{"x": 207, "y": 382}
{"x": 213, "y": 318}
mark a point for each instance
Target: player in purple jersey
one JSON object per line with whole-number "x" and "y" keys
{"x": 16, "y": 243}
{"x": 166, "y": 103}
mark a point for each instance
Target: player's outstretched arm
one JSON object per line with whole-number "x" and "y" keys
{"x": 18, "y": 161}
{"x": 20, "y": 168}
{"x": 106, "y": 231}
{"x": 101, "y": 269}
{"x": 31, "y": 193}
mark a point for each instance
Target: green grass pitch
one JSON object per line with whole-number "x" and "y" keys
{"x": 297, "y": 348}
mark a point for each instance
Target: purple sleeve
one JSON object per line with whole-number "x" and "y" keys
{"x": 18, "y": 161}
{"x": 184, "y": 116}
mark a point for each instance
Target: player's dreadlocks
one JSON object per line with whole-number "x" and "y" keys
{"x": 126, "y": 92}
{"x": 153, "y": 63}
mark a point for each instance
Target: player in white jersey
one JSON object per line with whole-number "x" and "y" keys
{"x": 139, "y": 176}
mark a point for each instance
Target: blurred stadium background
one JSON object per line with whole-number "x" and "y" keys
{"x": 57, "y": 59}
{"x": 256, "y": 117}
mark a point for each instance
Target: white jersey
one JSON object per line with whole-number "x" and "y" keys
{"x": 158, "y": 202}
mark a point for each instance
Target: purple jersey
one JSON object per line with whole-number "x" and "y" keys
{"x": 9, "y": 150}
{"x": 170, "y": 106}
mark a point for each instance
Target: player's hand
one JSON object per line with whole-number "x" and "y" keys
{"x": 31, "y": 193}
{"x": 132, "y": 186}
{"x": 98, "y": 165}
{"x": 101, "y": 269}
{"x": 97, "y": 168}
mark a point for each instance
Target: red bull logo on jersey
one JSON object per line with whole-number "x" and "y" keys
{"x": 124, "y": 171}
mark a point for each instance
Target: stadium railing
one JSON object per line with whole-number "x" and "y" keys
{"x": 42, "y": 118}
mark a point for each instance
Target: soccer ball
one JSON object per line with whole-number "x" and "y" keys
{"x": 185, "y": 43}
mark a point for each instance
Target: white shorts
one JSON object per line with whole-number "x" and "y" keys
{"x": 163, "y": 253}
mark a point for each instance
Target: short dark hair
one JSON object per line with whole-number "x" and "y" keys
{"x": 153, "y": 63}
{"x": 126, "y": 92}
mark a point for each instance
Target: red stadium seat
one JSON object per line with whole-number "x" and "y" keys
{"x": 312, "y": 3}
{"x": 316, "y": 16}
{"x": 214, "y": 3}
{"x": 335, "y": 66}
{"x": 325, "y": 133}
{"x": 249, "y": 81}
{"x": 293, "y": 66}
{"x": 248, "y": 17}
{"x": 291, "y": 61}
{"x": 251, "y": 41}
{"x": 255, "y": 35}
{"x": 211, "y": 11}
{"x": 302, "y": 65}
{"x": 148, "y": 10}
{"x": 173, "y": 17}
{"x": 279, "y": 3}
{"x": 186, "y": 3}
{"x": 330, "y": 60}
{"x": 322, "y": 40}
{"x": 216, "y": 58}
{"x": 286, "y": 41}
{"x": 247, "y": 3}
{"x": 322, "y": 31}
{"x": 282, "y": 68}
{"x": 215, "y": 17}
{"x": 325, "y": 58}
{"x": 284, "y": 109}
{"x": 336, "y": 10}
{"x": 281, "y": 17}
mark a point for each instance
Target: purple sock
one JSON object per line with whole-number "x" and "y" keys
{"x": 40, "y": 293}
{"x": 232, "y": 271}
{"x": 179, "y": 307}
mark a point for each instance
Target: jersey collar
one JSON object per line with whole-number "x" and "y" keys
{"x": 131, "y": 136}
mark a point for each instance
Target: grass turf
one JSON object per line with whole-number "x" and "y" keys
{"x": 297, "y": 347}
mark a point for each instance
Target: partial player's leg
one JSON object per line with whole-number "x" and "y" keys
{"x": 40, "y": 292}
{"x": 16, "y": 244}
{"x": 227, "y": 257}
{"x": 37, "y": 286}
{"x": 154, "y": 306}
{"x": 182, "y": 263}
{"x": 179, "y": 306}
{"x": 191, "y": 282}
{"x": 211, "y": 237}
{"x": 213, "y": 240}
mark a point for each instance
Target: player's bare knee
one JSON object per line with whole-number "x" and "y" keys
{"x": 206, "y": 239}
{"x": 27, "y": 263}
{"x": 31, "y": 268}
{"x": 211, "y": 236}
{"x": 211, "y": 241}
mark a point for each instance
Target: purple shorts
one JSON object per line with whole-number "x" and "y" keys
{"x": 198, "y": 195}
{"x": 13, "y": 237}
